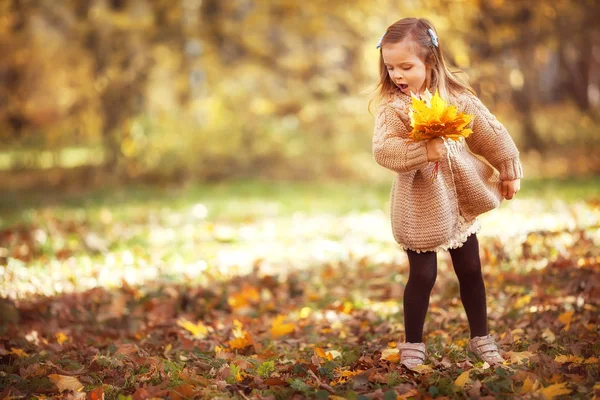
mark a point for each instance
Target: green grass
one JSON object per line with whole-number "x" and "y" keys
{"x": 248, "y": 200}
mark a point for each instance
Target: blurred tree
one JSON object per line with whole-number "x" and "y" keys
{"x": 521, "y": 37}
{"x": 213, "y": 89}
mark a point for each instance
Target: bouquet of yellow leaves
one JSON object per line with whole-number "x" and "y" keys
{"x": 431, "y": 117}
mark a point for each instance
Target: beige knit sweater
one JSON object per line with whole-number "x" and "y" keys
{"x": 428, "y": 216}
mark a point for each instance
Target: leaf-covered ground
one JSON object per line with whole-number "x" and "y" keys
{"x": 286, "y": 293}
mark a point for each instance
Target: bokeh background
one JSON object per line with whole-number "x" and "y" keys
{"x": 105, "y": 92}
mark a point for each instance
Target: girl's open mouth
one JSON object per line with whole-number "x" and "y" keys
{"x": 403, "y": 86}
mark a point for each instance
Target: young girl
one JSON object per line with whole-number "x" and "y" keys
{"x": 427, "y": 216}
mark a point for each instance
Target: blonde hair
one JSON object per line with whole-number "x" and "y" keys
{"x": 443, "y": 79}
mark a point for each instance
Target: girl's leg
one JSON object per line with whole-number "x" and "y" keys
{"x": 422, "y": 275}
{"x": 467, "y": 266}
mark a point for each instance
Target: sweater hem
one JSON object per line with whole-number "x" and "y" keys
{"x": 454, "y": 242}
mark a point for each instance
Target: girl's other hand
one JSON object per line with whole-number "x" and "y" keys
{"x": 510, "y": 188}
{"x": 435, "y": 149}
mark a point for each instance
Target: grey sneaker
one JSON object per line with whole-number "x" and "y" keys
{"x": 412, "y": 354}
{"x": 485, "y": 348}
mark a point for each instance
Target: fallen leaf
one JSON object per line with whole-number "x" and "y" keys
{"x": 411, "y": 393}
{"x": 462, "y": 379}
{"x": 568, "y": 359}
{"x": 64, "y": 382}
{"x": 422, "y": 369}
{"x": 566, "y": 318}
{"x": 18, "y": 352}
{"x": 96, "y": 394}
{"x": 548, "y": 336}
{"x": 199, "y": 330}
{"x": 517, "y": 357}
{"x": 183, "y": 391}
{"x": 279, "y": 328}
{"x": 61, "y": 337}
{"x": 392, "y": 355}
{"x": 241, "y": 342}
{"x": 527, "y": 386}
{"x": 552, "y": 391}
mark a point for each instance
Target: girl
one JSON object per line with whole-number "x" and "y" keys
{"x": 427, "y": 216}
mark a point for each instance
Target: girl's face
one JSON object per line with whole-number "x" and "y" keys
{"x": 405, "y": 68}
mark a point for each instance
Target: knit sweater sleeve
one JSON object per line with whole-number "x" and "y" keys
{"x": 491, "y": 140}
{"x": 392, "y": 148}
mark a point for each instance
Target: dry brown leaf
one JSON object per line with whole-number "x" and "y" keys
{"x": 64, "y": 382}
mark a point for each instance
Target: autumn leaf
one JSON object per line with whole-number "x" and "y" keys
{"x": 61, "y": 337}
{"x": 183, "y": 391}
{"x": 279, "y": 328}
{"x": 408, "y": 395}
{"x": 344, "y": 375}
{"x": 392, "y": 355}
{"x": 462, "y": 379}
{"x": 241, "y": 337}
{"x": 244, "y": 298}
{"x": 548, "y": 336}
{"x": 328, "y": 355}
{"x": 552, "y": 391}
{"x": 18, "y": 352}
{"x": 422, "y": 369}
{"x": 517, "y": 357}
{"x": 568, "y": 359}
{"x": 199, "y": 330}
{"x": 528, "y": 386}
{"x": 565, "y": 318}
{"x": 64, "y": 382}
{"x": 431, "y": 117}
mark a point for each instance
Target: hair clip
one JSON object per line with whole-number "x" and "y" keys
{"x": 380, "y": 39}
{"x": 434, "y": 37}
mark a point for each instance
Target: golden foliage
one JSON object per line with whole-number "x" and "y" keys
{"x": 431, "y": 117}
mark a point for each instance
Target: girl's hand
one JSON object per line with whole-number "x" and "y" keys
{"x": 435, "y": 149}
{"x": 510, "y": 188}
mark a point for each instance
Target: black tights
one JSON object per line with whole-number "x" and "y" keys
{"x": 423, "y": 272}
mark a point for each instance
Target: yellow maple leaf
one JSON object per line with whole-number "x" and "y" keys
{"x": 344, "y": 375}
{"x": 241, "y": 342}
{"x": 422, "y": 369}
{"x": 245, "y": 297}
{"x": 431, "y": 117}
{"x": 566, "y": 318}
{"x": 591, "y": 360}
{"x": 519, "y": 356}
{"x": 61, "y": 337}
{"x": 522, "y": 301}
{"x": 279, "y": 328}
{"x": 198, "y": 330}
{"x": 462, "y": 379}
{"x": 18, "y": 352}
{"x": 392, "y": 355}
{"x": 528, "y": 386}
{"x": 64, "y": 382}
{"x": 568, "y": 358}
{"x": 321, "y": 353}
{"x": 552, "y": 391}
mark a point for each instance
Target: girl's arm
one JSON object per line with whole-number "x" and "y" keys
{"x": 491, "y": 140}
{"x": 392, "y": 148}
